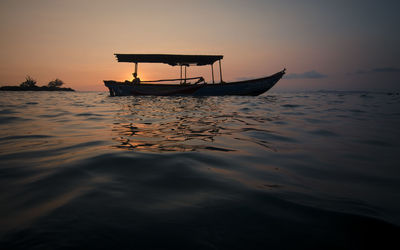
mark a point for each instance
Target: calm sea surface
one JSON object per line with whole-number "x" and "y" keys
{"x": 284, "y": 170}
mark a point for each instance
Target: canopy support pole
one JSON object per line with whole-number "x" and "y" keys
{"x": 220, "y": 70}
{"x": 136, "y": 66}
{"x": 184, "y": 81}
{"x": 212, "y": 72}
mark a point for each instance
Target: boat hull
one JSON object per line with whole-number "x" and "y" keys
{"x": 252, "y": 87}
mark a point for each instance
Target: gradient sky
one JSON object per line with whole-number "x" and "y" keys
{"x": 334, "y": 45}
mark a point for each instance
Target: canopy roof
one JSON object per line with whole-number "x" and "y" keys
{"x": 172, "y": 60}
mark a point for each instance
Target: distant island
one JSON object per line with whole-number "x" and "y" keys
{"x": 35, "y": 88}
{"x": 30, "y": 85}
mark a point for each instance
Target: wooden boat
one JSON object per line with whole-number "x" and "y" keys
{"x": 186, "y": 86}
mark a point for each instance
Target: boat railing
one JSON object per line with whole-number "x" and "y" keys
{"x": 181, "y": 80}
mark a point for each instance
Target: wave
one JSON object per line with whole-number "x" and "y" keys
{"x": 84, "y": 170}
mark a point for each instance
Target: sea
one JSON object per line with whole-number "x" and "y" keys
{"x": 284, "y": 170}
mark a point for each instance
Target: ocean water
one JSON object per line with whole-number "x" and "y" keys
{"x": 302, "y": 170}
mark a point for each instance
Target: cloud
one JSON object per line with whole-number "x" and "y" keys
{"x": 378, "y": 70}
{"x": 386, "y": 70}
{"x": 306, "y": 75}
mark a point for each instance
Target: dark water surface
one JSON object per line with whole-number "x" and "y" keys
{"x": 312, "y": 170}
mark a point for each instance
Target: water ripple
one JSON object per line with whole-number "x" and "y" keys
{"x": 85, "y": 170}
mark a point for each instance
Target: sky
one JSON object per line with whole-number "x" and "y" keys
{"x": 324, "y": 45}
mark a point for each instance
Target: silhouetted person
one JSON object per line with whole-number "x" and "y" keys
{"x": 136, "y": 79}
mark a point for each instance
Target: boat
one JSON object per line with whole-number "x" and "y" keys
{"x": 184, "y": 85}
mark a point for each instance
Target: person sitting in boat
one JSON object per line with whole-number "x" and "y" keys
{"x": 136, "y": 79}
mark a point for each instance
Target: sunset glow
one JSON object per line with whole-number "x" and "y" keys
{"x": 346, "y": 43}
{"x": 199, "y": 124}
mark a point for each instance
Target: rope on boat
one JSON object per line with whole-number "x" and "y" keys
{"x": 200, "y": 79}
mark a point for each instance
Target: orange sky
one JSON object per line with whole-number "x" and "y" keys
{"x": 344, "y": 45}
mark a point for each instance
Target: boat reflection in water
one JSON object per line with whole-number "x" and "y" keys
{"x": 182, "y": 124}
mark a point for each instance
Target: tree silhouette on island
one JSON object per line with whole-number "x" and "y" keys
{"x": 30, "y": 85}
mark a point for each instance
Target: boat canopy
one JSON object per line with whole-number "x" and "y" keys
{"x": 170, "y": 59}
